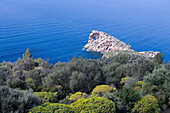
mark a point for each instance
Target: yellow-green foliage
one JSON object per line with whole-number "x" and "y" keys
{"x": 53, "y": 108}
{"x": 123, "y": 80}
{"x": 30, "y": 83}
{"x": 94, "y": 105}
{"x": 47, "y": 96}
{"x": 140, "y": 83}
{"x": 39, "y": 60}
{"x": 148, "y": 104}
{"x": 102, "y": 89}
{"x": 78, "y": 95}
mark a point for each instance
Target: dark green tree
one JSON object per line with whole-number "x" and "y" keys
{"x": 159, "y": 58}
{"x": 16, "y": 101}
{"x": 4, "y": 74}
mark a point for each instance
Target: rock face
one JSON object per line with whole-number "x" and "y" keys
{"x": 102, "y": 42}
{"x": 150, "y": 54}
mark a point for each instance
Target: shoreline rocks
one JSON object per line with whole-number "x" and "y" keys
{"x": 103, "y": 43}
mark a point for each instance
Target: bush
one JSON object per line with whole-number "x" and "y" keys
{"x": 16, "y": 83}
{"x": 120, "y": 106}
{"x": 4, "y": 74}
{"x": 102, "y": 89}
{"x": 53, "y": 108}
{"x": 78, "y": 95}
{"x": 139, "y": 83}
{"x": 30, "y": 83}
{"x": 137, "y": 88}
{"x": 47, "y": 96}
{"x": 148, "y": 104}
{"x": 128, "y": 96}
{"x": 66, "y": 101}
{"x": 123, "y": 80}
{"x": 131, "y": 82}
{"x": 16, "y": 101}
{"x": 94, "y": 105}
{"x": 157, "y": 84}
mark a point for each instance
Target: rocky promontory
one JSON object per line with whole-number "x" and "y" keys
{"x": 103, "y": 43}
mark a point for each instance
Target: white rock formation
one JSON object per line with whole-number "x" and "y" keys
{"x": 102, "y": 42}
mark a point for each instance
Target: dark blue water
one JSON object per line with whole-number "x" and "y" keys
{"x": 58, "y": 29}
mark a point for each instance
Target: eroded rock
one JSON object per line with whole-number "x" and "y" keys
{"x": 103, "y": 42}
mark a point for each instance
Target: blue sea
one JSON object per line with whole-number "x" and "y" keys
{"x": 56, "y": 30}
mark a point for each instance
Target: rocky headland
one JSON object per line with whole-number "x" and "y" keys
{"x": 105, "y": 43}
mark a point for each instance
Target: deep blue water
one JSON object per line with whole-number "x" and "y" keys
{"x": 58, "y": 29}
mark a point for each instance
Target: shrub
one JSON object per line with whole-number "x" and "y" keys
{"x": 94, "y": 105}
{"x": 53, "y": 108}
{"x": 123, "y": 80}
{"x": 140, "y": 83}
{"x": 30, "y": 83}
{"x": 157, "y": 84}
{"x": 16, "y": 101}
{"x": 131, "y": 82}
{"x": 128, "y": 96}
{"x": 66, "y": 101}
{"x": 100, "y": 90}
{"x": 4, "y": 74}
{"x": 137, "y": 88}
{"x": 16, "y": 83}
{"x": 78, "y": 95}
{"x": 120, "y": 106}
{"x": 148, "y": 104}
{"x": 47, "y": 96}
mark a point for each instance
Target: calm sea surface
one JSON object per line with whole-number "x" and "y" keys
{"x": 58, "y": 29}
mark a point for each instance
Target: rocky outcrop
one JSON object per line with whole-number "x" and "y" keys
{"x": 103, "y": 43}
{"x": 150, "y": 54}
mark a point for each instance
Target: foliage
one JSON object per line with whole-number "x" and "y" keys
{"x": 110, "y": 74}
{"x": 30, "y": 83}
{"x": 120, "y": 106}
{"x": 148, "y": 104}
{"x": 123, "y": 80}
{"x": 53, "y": 108}
{"x": 137, "y": 88}
{"x": 168, "y": 65}
{"x": 128, "y": 96}
{"x": 16, "y": 83}
{"x": 157, "y": 84}
{"x": 100, "y": 90}
{"x": 15, "y": 101}
{"x": 141, "y": 68}
{"x": 66, "y": 101}
{"x": 139, "y": 83}
{"x": 27, "y": 55}
{"x": 85, "y": 75}
{"x": 79, "y": 74}
{"x": 128, "y": 72}
{"x": 131, "y": 82}
{"x": 94, "y": 105}
{"x": 159, "y": 58}
{"x": 47, "y": 96}
{"x": 4, "y": 74}
{"x": 78, "y": 95}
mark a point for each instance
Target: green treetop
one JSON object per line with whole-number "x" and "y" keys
{"x": 27, "y": 55}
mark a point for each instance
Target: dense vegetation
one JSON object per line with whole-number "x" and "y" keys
{"x": 120, "y": 84}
